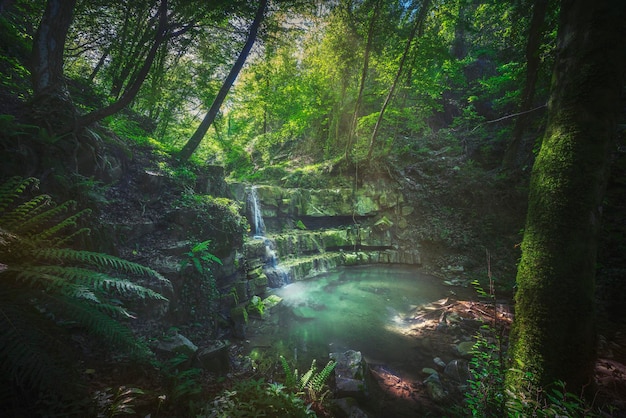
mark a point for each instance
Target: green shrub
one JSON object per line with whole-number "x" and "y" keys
{"x": 485, "y": 395}
{"x": 256, "y": 398}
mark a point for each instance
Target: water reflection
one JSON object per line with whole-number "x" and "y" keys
{"x": 359, "y": 308}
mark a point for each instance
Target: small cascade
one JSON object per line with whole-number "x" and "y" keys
{"x": 277, "y": 275}
{"x": 257, "y": 215}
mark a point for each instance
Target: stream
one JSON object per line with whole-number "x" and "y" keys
{"x": 359, "y": 308}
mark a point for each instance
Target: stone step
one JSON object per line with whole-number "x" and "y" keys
{"x": 306, "y": 267}
{"x": 301, "y": 243}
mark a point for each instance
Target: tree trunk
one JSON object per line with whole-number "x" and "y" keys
{"x": 132, "y": 90}
{"x": 191, "y": 145}
{"x": 535, "y": 38}
{"x": 419, "y": 21}
{"x": 366, "y": 59}
{"x": 553, "y": 336}
{"x": 51, "y": 104}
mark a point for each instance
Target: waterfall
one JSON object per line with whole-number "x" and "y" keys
{"x": 277, "y": 275}
{"x": 257, "y": 216}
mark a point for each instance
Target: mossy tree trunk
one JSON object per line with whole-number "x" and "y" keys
{"x": 553, "y": 335}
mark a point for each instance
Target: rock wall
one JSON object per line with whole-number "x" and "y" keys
{"x": 309, "y": 232}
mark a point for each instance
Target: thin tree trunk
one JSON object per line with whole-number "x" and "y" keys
{"x": 417, "y": 28}
{"x": 535, "y": 38}
{"x": 197, "y": 137}
{"x": 366, "y": 59}
{"x": 100, "y": 63}
{"x": 553, "y": 335}
{"x": 132, "y": 90}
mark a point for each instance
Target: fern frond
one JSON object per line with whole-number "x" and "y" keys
{"x": 114, "y": 311}
{"x": 42, "y": 277}
{"x": 64, "y": 240}
{"x": 55, "y": 229}
{"x": 23, "y": 214}
{"x": 317, "y": 382}
{"x": 82, "y": 292}
{"x": 304, "y": 380}
{"x": 95, "y": 322}
{"x": 96, "y": 260}
{"x": 40, "y": 281}
{"x": 27, "y": 348}
{"x": 290, "y": 376}
{"x": 68, "y": 279}
{"x": 201, "y": 246}
{"x": 13, "y": 188}
{"x": 40, "y": 220}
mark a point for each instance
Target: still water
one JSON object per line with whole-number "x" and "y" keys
{"x": 358, "y": 308}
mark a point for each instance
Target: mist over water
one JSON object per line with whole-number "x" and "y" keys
{"x": 359, "y": 308}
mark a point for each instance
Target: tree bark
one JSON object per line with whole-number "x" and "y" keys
{"x": 51, "y": 105}
{"x": 366, "y": 59}
{"x": 535, "y": 38}
{"x": 49, "y": 45}
{"x": 419, "y": 21}
{"x": 553, "y": 336}
{"x": 193, "y": 142}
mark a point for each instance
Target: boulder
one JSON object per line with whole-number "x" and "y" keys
{"x": 271, "y": 302}
{"x": 350, "y": 374}
{"x": 435, "y": 388}
{"x": 177, "y": 344}
{"x": 458, "y": 370}
{"x": 214, "y": 358}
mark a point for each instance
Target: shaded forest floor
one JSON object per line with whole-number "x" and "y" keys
{"x": 401, "y": 397}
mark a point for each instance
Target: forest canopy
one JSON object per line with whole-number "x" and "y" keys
{"x": 323, "y": 80}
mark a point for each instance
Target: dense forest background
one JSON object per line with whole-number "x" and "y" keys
{"x": 450, "y": 99}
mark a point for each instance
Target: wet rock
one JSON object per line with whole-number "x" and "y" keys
{"x": 458, "y": 370}
{"x": 214, "y": 358}
{"x": 465, "y": 349}
{"x": 349, "y": 407}
{"x": 239, "y": 317}
{"x": 435, "y": 388}
{"x": 439, "y": 362}
{"x": 350, "y": 374}
{"x": 177, "y": 344}
{"x": 271, "y": 302}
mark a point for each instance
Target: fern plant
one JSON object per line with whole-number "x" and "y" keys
{"x": 46, "y": 286}
{"x": 256, "y": 398}
{"x": 312, "y": 383}
{"x": 199, "y": 284}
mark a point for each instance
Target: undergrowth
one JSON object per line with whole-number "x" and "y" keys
{"x": 298, "y": 396}
{"x": 487, "y": 394}
{"x": 49, "y": 291}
